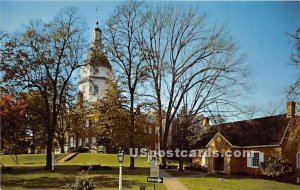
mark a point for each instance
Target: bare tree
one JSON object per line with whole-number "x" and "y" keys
{"x": 123, "y": 50}
{"x": 294, "y": 89}
{"x": 43, "y": 58}
{"x": 188, "y": 58}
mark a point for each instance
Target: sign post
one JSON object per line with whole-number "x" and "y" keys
{"x": 154, "y": 172}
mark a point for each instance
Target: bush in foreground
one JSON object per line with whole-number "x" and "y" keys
{"x": 276, "y": 167}
{"x": 82, "y": 184}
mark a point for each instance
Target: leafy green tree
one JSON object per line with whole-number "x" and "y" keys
{"x": 112, "y": 117}
{"x": 184, "y": 129}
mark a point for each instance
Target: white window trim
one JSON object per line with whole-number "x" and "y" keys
{"x": 203, "y": 161}
{"x": 260, "y": 157}
{"x": 206, "y": 161}
{"x": 297, "y": 160}
{"x": 253, "y": 157}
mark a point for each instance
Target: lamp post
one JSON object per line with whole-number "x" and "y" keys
{"x": 120, "y": 159}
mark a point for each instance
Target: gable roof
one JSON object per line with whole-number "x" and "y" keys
{"x": 256, "y": 132}
{"x": 218, "y": 133}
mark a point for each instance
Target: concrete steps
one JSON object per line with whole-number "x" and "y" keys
{"x": 67, "y": 157}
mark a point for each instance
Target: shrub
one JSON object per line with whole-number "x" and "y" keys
{"x": 82, "y": 184}
{"x": 276, "y": 167}
{"x": 82, "y": 149}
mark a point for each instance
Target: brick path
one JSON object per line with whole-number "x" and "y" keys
{"x": 172, "y": 183}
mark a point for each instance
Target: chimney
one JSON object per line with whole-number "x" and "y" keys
{"x": 290, "y": 109}
{"x": 205, "y": 122}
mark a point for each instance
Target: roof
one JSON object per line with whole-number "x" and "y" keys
{"x": 103, "y": 61}
{"x": 256, "y": 132}
{"x": 97, "y": 58}
{"x": 98, "y": 29}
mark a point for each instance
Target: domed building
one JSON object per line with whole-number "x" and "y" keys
{"x": 96, "y": 70}
{"x": 94, "y": 74}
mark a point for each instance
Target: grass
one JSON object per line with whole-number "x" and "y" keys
{"x": 177, "y": 173}
{"x": 105, "y": 160}
{"x": 232, "y": 183}
{"x": 25, "y": 159}
{"x": 30, "y": 173}
{"x": 36, "y": 178}
{"x": 80, "y": 159}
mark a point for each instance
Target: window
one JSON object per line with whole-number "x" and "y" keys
{"x": 96, "y": 90}
{"x": 71, "y": 142}
{"x": 298, "y": 160}
{"x": 93, "y": 140}
{"x": 206, "y": 161}
{"x": 254, "y": 158}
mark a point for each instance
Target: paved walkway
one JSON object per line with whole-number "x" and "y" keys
{"x": 172, "y": 183}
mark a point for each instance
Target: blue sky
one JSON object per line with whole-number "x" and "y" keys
{"x": 260, "y": 29}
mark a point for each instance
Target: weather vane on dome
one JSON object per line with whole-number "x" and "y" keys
{"x": 97, "y": 23}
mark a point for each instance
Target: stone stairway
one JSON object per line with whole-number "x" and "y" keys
{"x": 67, "y": 157}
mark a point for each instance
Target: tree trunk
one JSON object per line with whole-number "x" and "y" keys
{"x": 131, "y": 132}
{"x": 180, "y": 158}
{"x": 50, "y": 138}
{"x": 159, "y": 110}
{"x": 62, "y": 145}
{"x": 165, "y": 142}
{"x": 180, "y": 164}
{"x": 160, "y": 140}
{"x": 76, "y": 141}
{"x": 49, "y": 151}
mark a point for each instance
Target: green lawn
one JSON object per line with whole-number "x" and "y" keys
{"x": 213, "y": 183}
{"x": 80, "y": 159}
{"x": 105, "y": 160}
{"x": 36, "y": 178}
{"x": 29, "y": 173}
{"x": 25, "y": 159}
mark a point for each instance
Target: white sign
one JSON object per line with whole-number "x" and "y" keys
{"x": 155, "y": 179}
{"x": 154, "y": 171}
